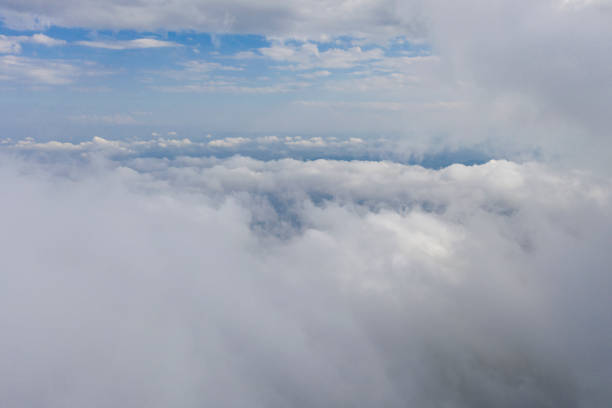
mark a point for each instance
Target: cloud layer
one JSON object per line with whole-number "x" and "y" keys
{"x": 318, "y": 18}
{"x": 223, "y": 270}
{"x": 237, "y": 282}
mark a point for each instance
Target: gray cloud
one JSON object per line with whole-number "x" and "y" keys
{"x": 318, "y": 19}
{"x": 236, "y": 282}
{"x": 538, "y": 69}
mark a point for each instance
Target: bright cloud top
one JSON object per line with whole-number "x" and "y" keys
{"x": 246, "y": 283}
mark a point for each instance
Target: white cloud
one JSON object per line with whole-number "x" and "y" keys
{"x": 138, "y": 43}
{"x": 393, "y": 82}
{"x": 228, "y": 142}
{"x": 245, "y": 55}
{"x": 268, "y": 139}
{"x": 316, "y": 141}
{"x": 315, "y": 74}
{"x": 12, "y": 44}
{"x": 207, "y": 66}
{"x": 196, "y": 71}
{"x": 307, "y": 56}
{"x": 51, "y": 145}
{"x": 46, "y": 40}
{"x": 95, "y": 145}
{"x": 41, "y": 71}
{"x": 336, "y": 283}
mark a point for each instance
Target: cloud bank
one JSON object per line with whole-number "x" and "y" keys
{"x": 243, "y": 283}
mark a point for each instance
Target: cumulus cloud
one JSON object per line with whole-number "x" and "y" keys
{"x": 237, "y": 282}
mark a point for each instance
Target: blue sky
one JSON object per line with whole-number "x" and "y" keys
{"x": 509, "y": 80}
{"x": 72, "y": 78}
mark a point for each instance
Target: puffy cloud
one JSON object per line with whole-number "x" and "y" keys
{"x": 200, "y": 281}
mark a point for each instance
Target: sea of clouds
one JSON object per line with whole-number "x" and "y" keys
{"x": 287, "y": 271}
{"x": 131, "y": 280}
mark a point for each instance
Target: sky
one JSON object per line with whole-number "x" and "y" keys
{"x": 510, "y": 80}
{"x": 310, "y": 203}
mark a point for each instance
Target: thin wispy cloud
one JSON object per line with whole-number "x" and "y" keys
{"x": 12, "y": 44}
{"x": 30, "y": 70}
{"x": 138, "y": 43}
